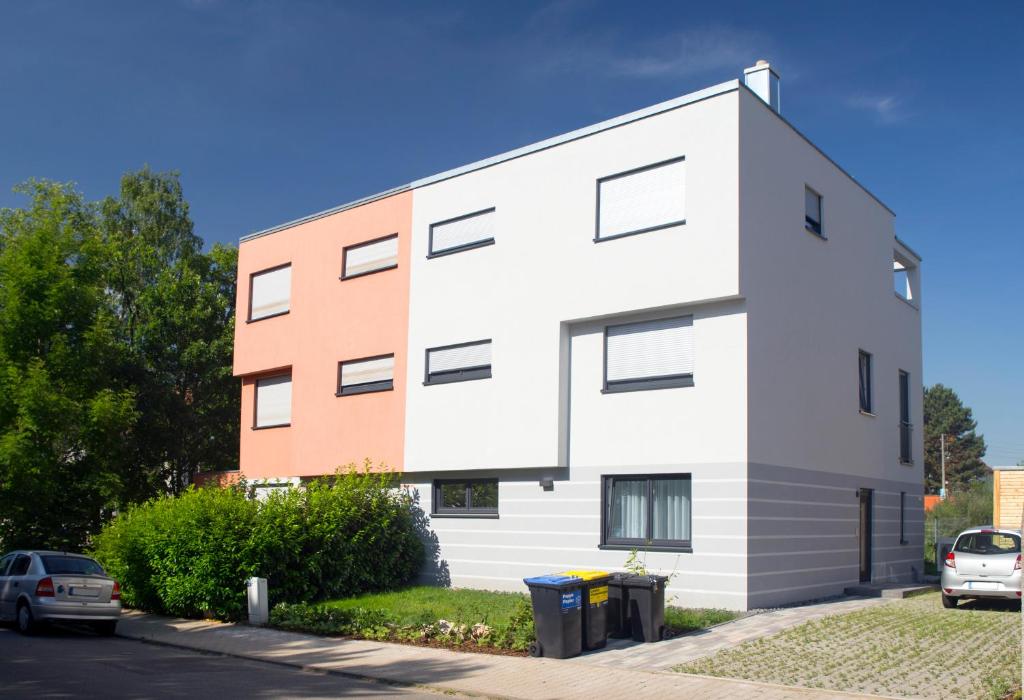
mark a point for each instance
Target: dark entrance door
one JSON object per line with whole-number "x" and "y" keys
{"x": 865, "y": 535}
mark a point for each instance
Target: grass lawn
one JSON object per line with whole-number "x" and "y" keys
{"x": 911, "y": 648}
{"x": 423, "y": 605}
{"x": 689, "y": 619}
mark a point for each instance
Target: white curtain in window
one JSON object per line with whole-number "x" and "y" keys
{"x": 628, "y": 509}
{"x": 642, "y": 200}
{"x": 671, "y": 509}
{"x": 446, "y": 359}
{"x": 471, "y": 229}
{"x": 274, "y": 401}
{"x": 374, "y": 256}
{"x": 381, "y": 369}
{"x": 661, "y": 348}
{"x": 270, "y": 293}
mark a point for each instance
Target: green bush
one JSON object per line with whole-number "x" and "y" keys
{"x": 191, "y": 555}
{"x": 962, "y": 509}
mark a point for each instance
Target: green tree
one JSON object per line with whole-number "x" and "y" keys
{"x": 945, "y": 414}
{"x": 64, "y": 413}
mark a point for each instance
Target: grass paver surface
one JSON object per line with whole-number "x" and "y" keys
{"x": 907, "y": 648}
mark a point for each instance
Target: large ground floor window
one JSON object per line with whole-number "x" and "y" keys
{"x": 649, "y": 511}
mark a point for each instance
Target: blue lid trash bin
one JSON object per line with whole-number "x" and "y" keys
{"x": 557, "y": 615}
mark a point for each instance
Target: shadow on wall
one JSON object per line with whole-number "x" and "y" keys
{"x": 435, "y": 571}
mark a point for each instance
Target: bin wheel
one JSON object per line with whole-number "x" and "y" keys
{"x": 534, "y": 649}
{"x": 664, "y": 633}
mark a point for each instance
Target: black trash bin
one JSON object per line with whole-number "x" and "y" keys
{"x": 595, "y": 606}
{"x": 645, "y": 596}
{"x": 618, "y": 607}
{"x": 557, "y": 615}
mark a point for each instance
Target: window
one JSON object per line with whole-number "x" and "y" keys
{"x": 459, "y": 363}
{"x": 273, "y": 402}
{"x": 366, "y": 375}
{"x": 4, "y": 563}
{"x": 462, "y": 233}
{"x": 641, "y": 200}
{"x": 864, "y": 372}
{"x": 64, "y": 564}
{"x": 812, "y": 211}
{"x": 20, "y": 566}
{"x": 466, "y": 497}
{"x": 647, "y": 511}
{"x": 984, "y": 542}
{"x": 270, "y": 292}
{"x": 906, "y": 429}
{"x": 903, "y": 517}
{"x": 649, "y": 355}
{"x": 372, "y": 256}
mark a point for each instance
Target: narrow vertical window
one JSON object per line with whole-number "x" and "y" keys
{"x": 865, "y": 382}
{"x": 906, "y": 429}
{"x": 270, "y": 292}
{"x": 273, "y": 402}
{"x": 812, "y": 211}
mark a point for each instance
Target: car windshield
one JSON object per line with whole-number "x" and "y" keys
{"x": 60, "y": 564}
{"x": 988, "y": 543}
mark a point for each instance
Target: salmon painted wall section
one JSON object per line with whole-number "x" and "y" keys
{"x": 329, "y": 320}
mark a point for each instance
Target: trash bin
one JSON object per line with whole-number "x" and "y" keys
{"x": 618, "y": 607}
{"x": 595, "y": 606}
{"x": 557, "y": 615}
{"x": 645, "y": 596}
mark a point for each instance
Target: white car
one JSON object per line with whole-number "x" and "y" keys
{"x": 984, "y": 563}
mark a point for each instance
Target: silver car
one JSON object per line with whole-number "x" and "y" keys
{"x": 984, "y": 563}
{"x": 38, "y": 587}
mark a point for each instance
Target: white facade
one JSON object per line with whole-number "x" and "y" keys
{"x": 769, "y": 432}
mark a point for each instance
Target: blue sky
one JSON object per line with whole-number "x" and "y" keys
{"x": 272, "y": 110}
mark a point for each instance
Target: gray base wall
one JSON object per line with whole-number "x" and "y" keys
{"x": 539, "y": 532}
{"x": 803, "y": 533}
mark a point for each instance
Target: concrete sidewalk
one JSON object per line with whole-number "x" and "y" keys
{"x": 446, "y": 671}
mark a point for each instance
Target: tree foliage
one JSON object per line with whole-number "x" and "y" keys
{"x": 945, "y": 414}
{"x": 115, "y": 356}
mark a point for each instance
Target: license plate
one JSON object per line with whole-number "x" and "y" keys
{"x": 83, "y": 591}
{"x": 982, "y": 585}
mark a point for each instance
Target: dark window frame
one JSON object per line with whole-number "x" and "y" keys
{"x": 431, "y": 253}
{"x": 462, "y": 374}
{"x": 365, "y": 387}
{"x": 865, "y": 394}
{"x": 648, "y": 543}
{"x": 439, "y": 511}
{"x": 906, "y": 427}
{"x": 254, "y": 275}
{"x": 18, "y": 558}
{"x": 668, "y": 381}
{"x": 355, "y": 246}
{"x": 815, "y": 227}
{"x": 256, "y": 401}
{"x": 598, "y": 238}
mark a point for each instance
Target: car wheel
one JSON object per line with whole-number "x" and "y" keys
{"x": 949, "y": 601}
{"x": 107, "y": 628}
{"x": 26, "y": 623}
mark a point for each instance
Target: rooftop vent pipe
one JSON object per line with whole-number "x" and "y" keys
{"x": 762, "y": 79}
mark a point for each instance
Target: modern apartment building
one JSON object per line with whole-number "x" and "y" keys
{"x": 684, "y": 330}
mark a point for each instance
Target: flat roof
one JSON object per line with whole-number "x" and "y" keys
{"x": 660, "y": 108}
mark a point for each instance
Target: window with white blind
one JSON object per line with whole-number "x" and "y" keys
{"x": 641, "y": 200}
{"x": 273, "y": 402}
{"x": 812, "y": 212}
{"x": 458, "y": 363}
{"x": 270, "y": 292}
{"x": 649, "y": 511}
{"x": 372, "y": 256}
{"x": 366, "y": 375}
{"x": 649, "y": 355}
{"x": 462, "y": 233}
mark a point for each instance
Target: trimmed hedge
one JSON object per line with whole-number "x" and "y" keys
{"x": 190, "y": 555}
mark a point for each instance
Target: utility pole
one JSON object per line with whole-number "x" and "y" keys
{"x": 942, "y": 485}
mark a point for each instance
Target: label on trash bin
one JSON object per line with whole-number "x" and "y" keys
{"x": 571, "y": 600}
{"x": 598, "y": 595}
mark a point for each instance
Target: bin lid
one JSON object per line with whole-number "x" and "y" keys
{"x": 643, "y": 580}
{"x": 553, "y": 580}
{"x": 586, "y": 574}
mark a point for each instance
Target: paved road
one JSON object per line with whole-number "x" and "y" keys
{"x": 70, "y": 663}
